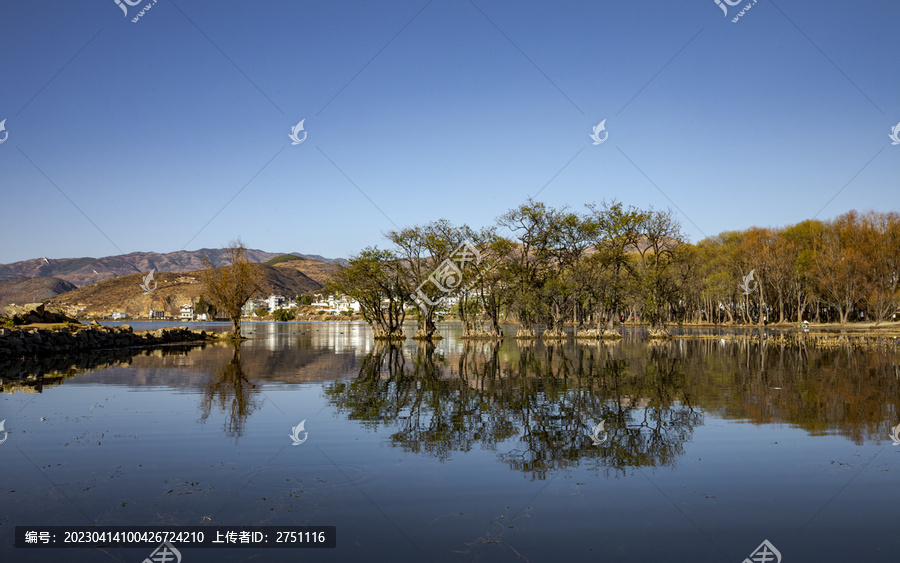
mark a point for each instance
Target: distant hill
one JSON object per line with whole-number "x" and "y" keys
{"x": 85, "y": 271}
{"x": 32, "y": 290}
{"x": 318, "y": 271}
{"x": 173, "y": 290}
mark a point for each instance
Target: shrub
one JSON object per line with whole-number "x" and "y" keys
{"x": 283, "y": 315}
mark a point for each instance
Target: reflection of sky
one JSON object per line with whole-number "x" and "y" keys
{"x": 141, "y": 456}
{"x": 114, "y": 451}
{"x": 340, "y": 338}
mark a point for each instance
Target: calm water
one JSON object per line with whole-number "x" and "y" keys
{"x": 463, "y": 452}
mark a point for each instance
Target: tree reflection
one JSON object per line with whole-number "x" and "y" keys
{"x": 535, "y": 409}
{"x": 230, "y": 390}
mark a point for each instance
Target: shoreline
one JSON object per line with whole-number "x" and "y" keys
{"x": 42, "y": 341}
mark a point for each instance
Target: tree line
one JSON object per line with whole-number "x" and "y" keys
{"x": 611, "y": 263}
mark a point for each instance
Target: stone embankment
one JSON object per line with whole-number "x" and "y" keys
{"x": 38, "y": 342}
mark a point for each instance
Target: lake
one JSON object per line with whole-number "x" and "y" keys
{"x": 464, "y": 451}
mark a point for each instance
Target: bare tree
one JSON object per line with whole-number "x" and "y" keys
{"x": 229, "y": 287}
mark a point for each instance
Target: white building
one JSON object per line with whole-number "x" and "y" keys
{"x": 187, "y": 312}
{"x": 117, "y": 315}
{"x": 336, "y": 303}
{"x": 252, "y": 305}
{"x": 275, "y": 302}
{"x": 155, "y": 314}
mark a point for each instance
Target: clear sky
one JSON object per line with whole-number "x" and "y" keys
{"x": 172, "y": 132}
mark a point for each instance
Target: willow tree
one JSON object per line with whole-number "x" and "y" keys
{"x": 374, "y": 279}
{"x": 659, "y": 251}
{"x": 615, "y": 234}
{"x": 434, "y": 259}
{"x": 529, "y": 266}
{"x": 229, "y": 287}
{"x": 491, "y": 285}
{"x": 570, "y": 238}
{"x": 842, "y": 267}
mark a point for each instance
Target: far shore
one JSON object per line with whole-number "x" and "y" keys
{"x": 886, "y": 328}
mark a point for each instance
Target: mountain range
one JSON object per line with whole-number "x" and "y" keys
{"x": 85, "y": 271}
{"x": 95, "y": 285}
{"x": 172, "y": 290}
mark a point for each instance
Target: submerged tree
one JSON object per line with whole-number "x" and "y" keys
{"x": 375, "y": 280}
{"x": 549, "y": 266}
{"x": 661, "y": 240}
{"x": 229, "y": 287}
{"x": 430, "y": 263}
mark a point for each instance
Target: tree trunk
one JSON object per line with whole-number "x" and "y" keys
{"x": 780, "y": 307}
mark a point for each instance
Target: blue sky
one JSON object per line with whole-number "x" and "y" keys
{"x": 172, "y": 132}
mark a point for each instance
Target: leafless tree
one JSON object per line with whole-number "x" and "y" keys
{"x": 229, "y": 287}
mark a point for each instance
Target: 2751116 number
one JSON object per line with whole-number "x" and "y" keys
{"x": 300, "y": 537}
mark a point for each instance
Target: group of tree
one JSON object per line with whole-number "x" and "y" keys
{"x": 611, "y": 263}
{"x": 844, "y": 269}
{"x": 603, "y": 265}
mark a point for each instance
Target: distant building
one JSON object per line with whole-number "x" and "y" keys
{"x": 336, "y": 303}
{"x": 275, "y": 302}
{"x": 252, "y": 305}
{"x": 155, "y": 314}
{"x": 117, "y": 315}
{"x": 187, "y": 312}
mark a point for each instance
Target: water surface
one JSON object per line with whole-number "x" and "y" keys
{"x": 463, "y": 451}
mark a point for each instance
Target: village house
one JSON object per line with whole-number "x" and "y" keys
{"x": 251, "y": 306}
{"x": 275, "y": 302}
{"x": 334, "y": 304}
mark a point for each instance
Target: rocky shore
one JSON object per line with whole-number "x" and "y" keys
{"x": 27, "y": 342}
